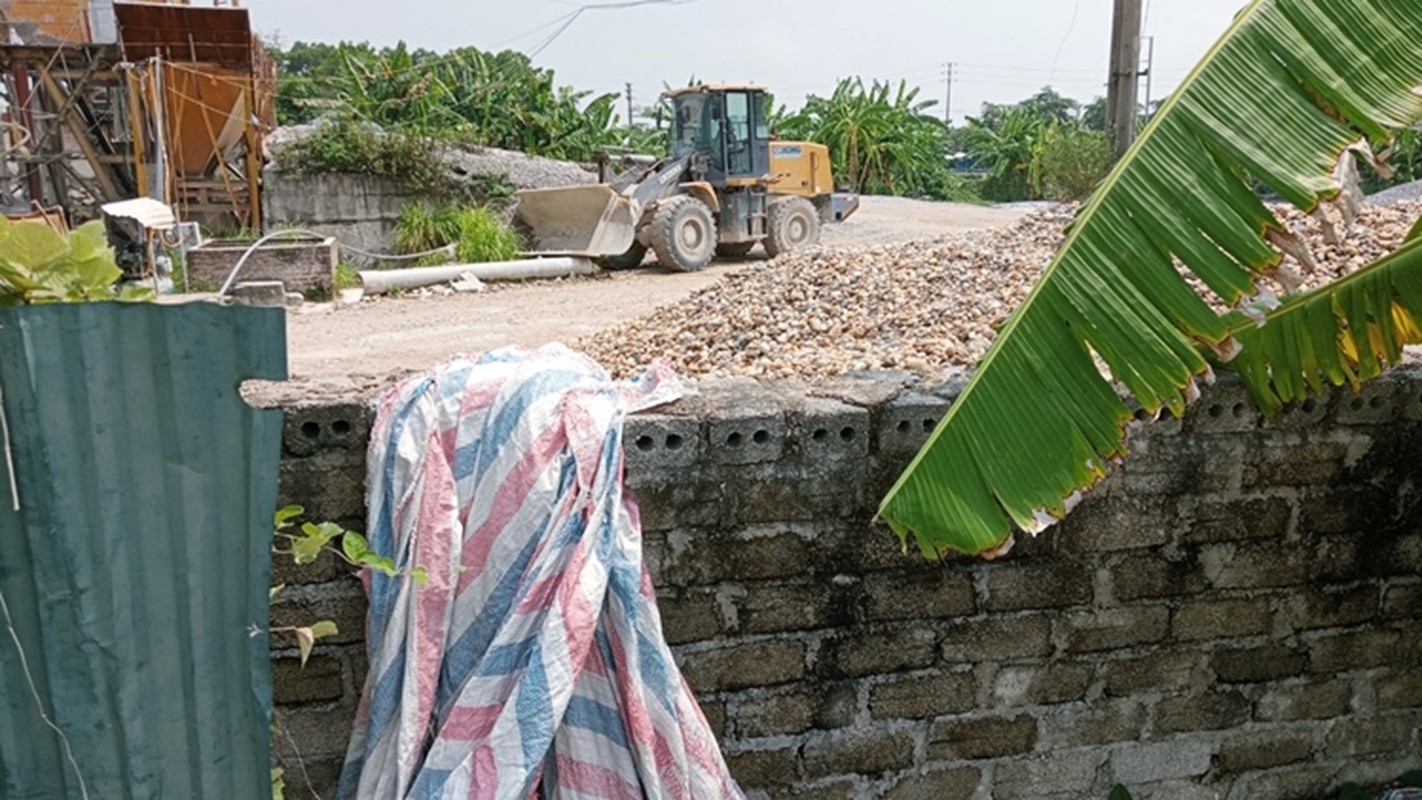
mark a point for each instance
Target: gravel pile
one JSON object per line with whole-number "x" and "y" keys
{"x": 1398, "y": 194}
{"x": 517, "y": 169}
{"x": 507, "y": 166}
{"x": 917, "y": 307}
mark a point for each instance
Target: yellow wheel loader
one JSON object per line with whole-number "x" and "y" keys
{"x": 724, "y": 187}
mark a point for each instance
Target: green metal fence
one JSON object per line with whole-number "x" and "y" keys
{"x": 135, "y": 570}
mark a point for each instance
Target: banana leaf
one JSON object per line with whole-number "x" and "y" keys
{"x": 1289, "y": 89}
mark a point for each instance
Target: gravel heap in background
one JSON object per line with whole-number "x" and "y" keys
{"x": 513, "y": 168}
{"x": 517, "y": 169}
{"x": 918, "y": 307}
{"x": 1398, "y": 194}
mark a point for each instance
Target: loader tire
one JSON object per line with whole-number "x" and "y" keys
{"x": 734, "y": 249}
{"x": 791, "y": 223}
{"x": 683, "y": 233}
{"x": 631, "y": 259}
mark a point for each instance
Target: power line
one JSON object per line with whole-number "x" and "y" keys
{"x": 1075, "y": 9}
{"x": 573, "y": 17}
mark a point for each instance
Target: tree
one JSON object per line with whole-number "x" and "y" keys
{"x": 465, "y": 95}
{"x": 1290, "y": 86}
{"x": 1048, "y": 104}
{"x": 1093, "y": 115}
{"x": 882, "y": 140}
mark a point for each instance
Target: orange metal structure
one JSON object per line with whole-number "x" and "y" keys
{"x": 174, "y": 108}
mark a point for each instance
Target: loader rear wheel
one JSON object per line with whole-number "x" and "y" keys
{"x": 631, "y": 259}
{"x": 792, "y": 223}
{"x": 683, "y": 233}
{"x": 734, "y": 249}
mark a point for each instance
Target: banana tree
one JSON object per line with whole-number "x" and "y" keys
{"x": 1289, "y": 90}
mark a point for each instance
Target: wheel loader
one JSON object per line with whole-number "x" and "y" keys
{"x": 724, "y": 186}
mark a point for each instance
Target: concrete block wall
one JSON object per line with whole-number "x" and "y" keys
{"x": 358, "y": 211}
{"x": 1235, "y": 613}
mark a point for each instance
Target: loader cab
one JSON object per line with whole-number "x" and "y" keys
{"x": 728, "y": 125}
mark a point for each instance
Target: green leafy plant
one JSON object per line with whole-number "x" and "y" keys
{"x": 484, "y": 237}
{"x": 38, "y": 265}
{"x": 476, "y": 234}
{"x": 1069, "y": 162}
{"x": 306, "y": 544}
{"x": 347, "y": 276}
{"x": 1119, "y": 792}
{"x": 1284, "y": 95}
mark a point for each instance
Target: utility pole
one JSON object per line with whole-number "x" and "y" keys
{"x": 1125, "y": 77}
{"x": 948, "y": 101}
{"x": 629, "y": 105}
{"x": 1149, "y": 70}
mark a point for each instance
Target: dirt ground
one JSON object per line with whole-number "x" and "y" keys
{"x": 417, "y": 332}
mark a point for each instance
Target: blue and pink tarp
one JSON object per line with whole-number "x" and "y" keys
{"x": 532, "y": 662}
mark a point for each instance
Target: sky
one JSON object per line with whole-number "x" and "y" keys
{"x": 1002, "y": 51}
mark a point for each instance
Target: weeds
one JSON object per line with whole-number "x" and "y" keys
{"x": 477, "y": 233}
{"x": 347, "y": 276}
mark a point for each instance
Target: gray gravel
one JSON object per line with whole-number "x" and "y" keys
{"x": 519, "y": 170}
{"x": 1398, "y": 194}
{"x": 516, "y": 169}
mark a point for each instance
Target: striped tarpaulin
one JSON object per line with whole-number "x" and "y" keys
{"x": 532, "y": 662}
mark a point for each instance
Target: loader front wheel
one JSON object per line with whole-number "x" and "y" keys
{"x": 683, "y": 233}
{"x": 792, "y": 223}
{"x": 631, "y": 259}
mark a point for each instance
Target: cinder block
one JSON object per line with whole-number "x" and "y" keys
{"x": 1225, "y": 407}
{"x": 1197, "y": 620}
{"x": 1210, "y": 711}
{"x": 924, "y": 695}
{"x": 1112, "y": 628}
{"x": 1302, "y": 701}
{"x": 1148, "y": 763}
{"x": 1372, "y": 736}
{"x": 1048, "y": 684}
{"x": 1304, "y": 415}
{"x": 658, "y": 443}
{"x": 997, "y": 639}
{"x": 985, "y": 737}
{"x": 859, "y": 653}
{"x": 741, "y": 666}
{"x": 958, "y": 783}
{"x": 1263, "y": 750}
{"x": 826, "y": 708}
{"x": 307, "y": 430}
{"x": 907, "y": 421}
{"x": 1070, "y": 773}
{"x": 825, "y": 430}
{"x": 1303, "y": 781}
{"x": 1054, "y": 584}
{"x": 1103, "y": 722}
{"x": 866, "y": 753}
{"x": 1373, "y": 404}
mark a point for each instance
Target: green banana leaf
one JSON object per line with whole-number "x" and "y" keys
{"x": 1281, "y": 98}
{"x": 1346, "y": 332}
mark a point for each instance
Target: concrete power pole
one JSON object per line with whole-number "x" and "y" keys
{"x": 629, "y": 105}
{"x": 1125, "y": 75}
{"x": 1149, "y": 72}
{"x": 948, "y": 101}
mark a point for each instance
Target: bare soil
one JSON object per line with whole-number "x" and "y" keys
{"x": 390, "y": 334}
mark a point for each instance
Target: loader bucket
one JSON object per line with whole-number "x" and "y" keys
{"x": 578, "y": 220}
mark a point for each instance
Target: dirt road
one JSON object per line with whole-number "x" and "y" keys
{"x": 387, "y": 334}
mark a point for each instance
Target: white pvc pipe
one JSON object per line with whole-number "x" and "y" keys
{"x": 383, "y": 280}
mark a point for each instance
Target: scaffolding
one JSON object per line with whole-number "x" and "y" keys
{"x": 174, "y": 107}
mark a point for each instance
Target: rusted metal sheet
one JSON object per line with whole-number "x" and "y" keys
{"x": 186, "y": 33}
{"x": 136, "y": 568}
{"x": 48, "y": 21}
